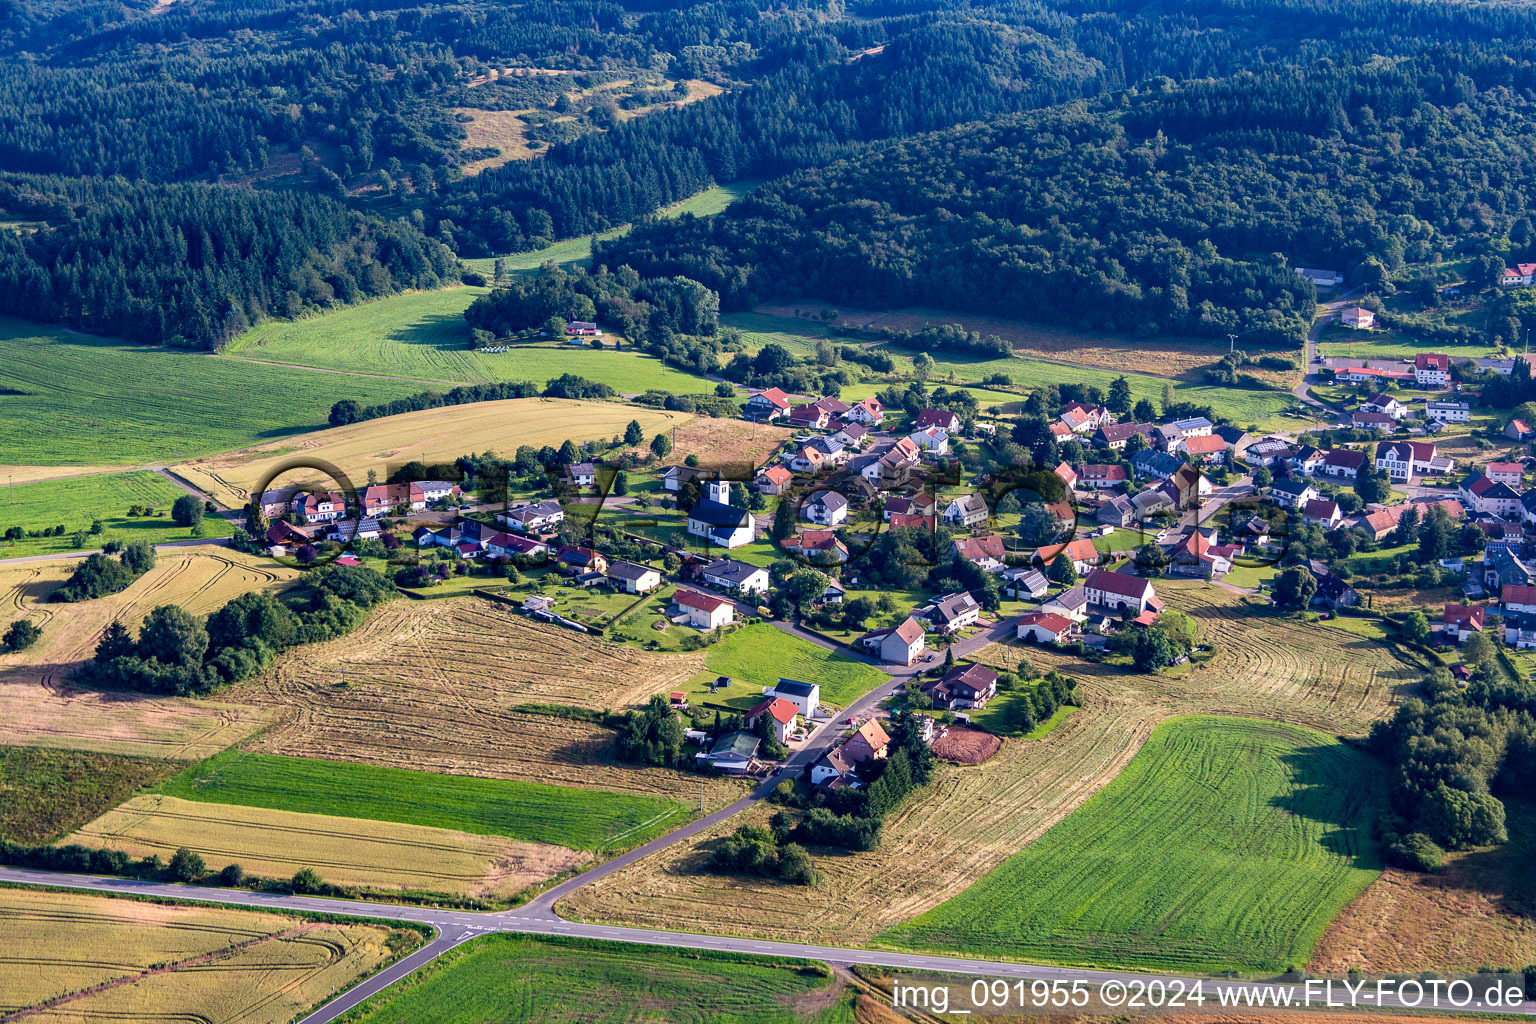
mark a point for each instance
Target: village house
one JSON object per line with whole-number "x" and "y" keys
{"x": 920, "y": 504}
{"x": 1384, "y": 403}
{"x": 1076, "y": 422}
{"x": 1267, "y": 451}
{"x": 773, "y": 480}
{"x": 941, "y": 419}
{"x": 1343, "y": 463}
{"x": 1206, "y": 448}
{"x": 967, "y": 510}
{"x": 1357, "y": 318}
{"x": 1154, "y": 465}
{"x": 825, "y": 508}
{"x": 869, "y": 412}
{"x": 1187, "y": 486}
{"x": 276, "y": 501}
{"x": 674, "y": 478}
{"x": 534, "y": 517}
{"x": 583, "y": 329}
{"x": 1485, "y": 497}
{"x": 580, "y": 474}
{"x": 1092, "y": 417}
{"x": 1071, "y": 603}
{"x": 1519, "y": 276}
{"x": 1291, "y": 492}
{"x": 851, "y": 435}
{"x": 320, "y": 507}
{"x": 1066, "y": 474}
{"x": 1115, "y": 590}
{"x": 1332, "y": 591}
{"x": 1201, "y": 556}
{"x": 718, "y": 521}
{"x": 1364, "y": 419}
{"x": 703, "y": 611}
{"x": 1518, "y": 430}
{"x": 1155, "y": 501}
{"x": 1045, "y": 628}
{"x": 1511, "y": 473}
{"x": 812, "y": 415}
{"x": 900, "y": 645}
{"x": 869, "y": 742}
{"x": 632, "y": 577}
{"x": 283, "y": 537}
{"x": 1021, "y": 581}
{"x": 575, "y": 559}
{"x": 781, "y": 715}
{"x": 767, "y": 405}
{"x": 931, "y": 440}
{"x": 833, "y": 451}
{"x": 1401, "y": 459}
{"x": 964, "y": 686}
{"x": 736, "y": 577}
{"x": 987, "y": 551}
{"x": 1321, "y": 278}
{"x": 807, "y": 460}
{"x": 1519, "y": 599}
{"x": 1503, "y": 568}
{"x": 806, "y": 697}
{"x": 511, "y": 545}
{"x": 1115, "y": 435}
{"x": 1459, "y": 621}
{"x": 1306, "y": 460}
{"x": 735, "y": 752}
{"x": 1321, "y": 512}
{"x": 1117, "y": 511}
{"x": 345, "y": 530}
{"x": 821, "y": 546}
{"x": 950, "y": 613}
{"x": 1448, "y": 412}
{"x": 1432, "y": 370}
{"x": 1104, "y": 476}
{"x": 834, "y": 769}
{"x": 895, "y": 465}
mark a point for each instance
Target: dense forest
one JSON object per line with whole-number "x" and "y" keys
{"x": 1180, "y": 209}
{"x": 1212, "y": 135}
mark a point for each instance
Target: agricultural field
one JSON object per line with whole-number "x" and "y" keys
{"x": 1225, "y": 844}
{"x": 759, "y": 655}
{"x": 39, "y": 706}
{"x": 45, "y": 793}
{"x": 975, "y": 818}
{"x": 581, "y": 819}
{"x": 76, "y": 503}
{"x": 102, "y": 958}
{"x": 507, "y": 979}
{"x": 431, "y": 686}
{"x": 725, "y": 443}
{"x": 73, "y": 398}
{"x": 381, "y": 856}
{"x": 1480, "y": 909}
{"x": 429, "y": 435}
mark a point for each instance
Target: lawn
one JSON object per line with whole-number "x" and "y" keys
{"x": 76, "y": 502}
{"x": 507, "y": 979}
{"x": 422, "y": 335}
{"x": 998, "y": 715}
{"x": 47, "y": 793}
{"x": 759, "y": 655}
{"x": 1226, "y": 844}
{"x": 581, "y": 819}
{"x": 69, "y": 398}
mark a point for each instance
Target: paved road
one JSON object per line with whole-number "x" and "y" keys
{"x": 191, "y": 542}
{"x": 457, "y": 926}
{"x": 1327, "y": 311}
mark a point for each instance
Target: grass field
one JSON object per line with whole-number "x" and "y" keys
{"x": 46, "y": 793}
{"x": 430, "y": 435}
{"x": 377, "y": 855}
{"x": 581, "y": 819}
{"x": 430, "y": 685}
{"x": 760, "y": 655}
{"x": 1226, "y": 844}
{"x": 124, "y": 959}
{"x": 76, "y": 502}
{"x": 975, "y": 818}
{"x": 38, "y": 705}
{"x": 78, "y": 399}
{"x": 508, "y": 979}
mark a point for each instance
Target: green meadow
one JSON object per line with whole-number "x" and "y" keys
{"x": 759, "y": 655}
{"x": 581, "y": 819}
{"x": 77, "y": 502}
{"x": 73, "y": 399}
{"x": 1226, "y": 844}
{"x": 509, "y": 979}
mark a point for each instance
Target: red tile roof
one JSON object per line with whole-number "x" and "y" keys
{"x": 782, "y": 710}
{"x": 703, "y": 602}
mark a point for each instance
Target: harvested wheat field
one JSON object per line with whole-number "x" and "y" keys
{"x": 430, "y": 686}
{"x": 725, "y": 444}
{"x": 1480, "y": 909}
{"x": 38, "y": 705}
{"x": 381, "y": 855}
{"x": 974, "y": 818}
{"x": 432, "y": 435}
{"x": 98, "y": 958}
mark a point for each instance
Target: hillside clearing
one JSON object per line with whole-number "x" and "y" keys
{"x": 76, "y": 503}
{"x": 505, "y": 978}
{"x": 431, "y": 686}
{"x": 581, "y": 819}
{"x": 163, "y": 961}
{"x": 431, "y": 435}
{"x": 974, "y": 818}
{"x": 376, "y": 855}
{"x": 1225, "y": 844}
{"x": 73, "y": 398}
{"x": 38, "y": 705}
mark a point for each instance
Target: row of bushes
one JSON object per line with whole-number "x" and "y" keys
{"x": 101, "y": 574}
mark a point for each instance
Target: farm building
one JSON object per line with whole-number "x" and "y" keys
{"x": 1115, "y": 590}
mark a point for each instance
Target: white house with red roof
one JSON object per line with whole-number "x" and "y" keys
{"x": 1104, "y": 475}
{"x": 773, "y": 480}
{"x": 900, "y": 644}
{"x": 1343, "y": 463}
{"x": 1459, "y": 621}
{"x": 1432, "y": 370}
{"x": 1511, "y": 473}
{"x": 868, "y": 412}
{"x": 704, "y": 611}
{"x": 1321, "y": 512}
{"x": 769, "y": 404}
{"x": 1358, "y": 318}
{"x": 1067, "y": 475}
{"x": 943, "y": 419}
{"x": 777, "y": 710}
{"x": 1115, "y": 590}
{"x": 1484, "y": 496}
{"x": 1521, "y": 275}
{"x": 1045, "y": 628}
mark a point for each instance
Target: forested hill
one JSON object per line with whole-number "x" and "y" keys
{"x": 194, "y": 265}
{"x": 1179, "y": 209}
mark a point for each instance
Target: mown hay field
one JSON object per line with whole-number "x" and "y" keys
{"x": 431, "y": 686}
{"x": 376, "y": 855}
{"x": 514, "y": 978}
{"x": 99, "y": 958}
{"x": 45, "y": 792}
{"x": 40, "y": 707}
{"x": 1226, "y": 844}
{"x": 94, "y": 401}
{"x": 974, "y": 818}
{"x": 431, "y": 435}
{"x": 582, "y": 819}
{"x": 76, "y": 503}
{"x": 726, "y": 444}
